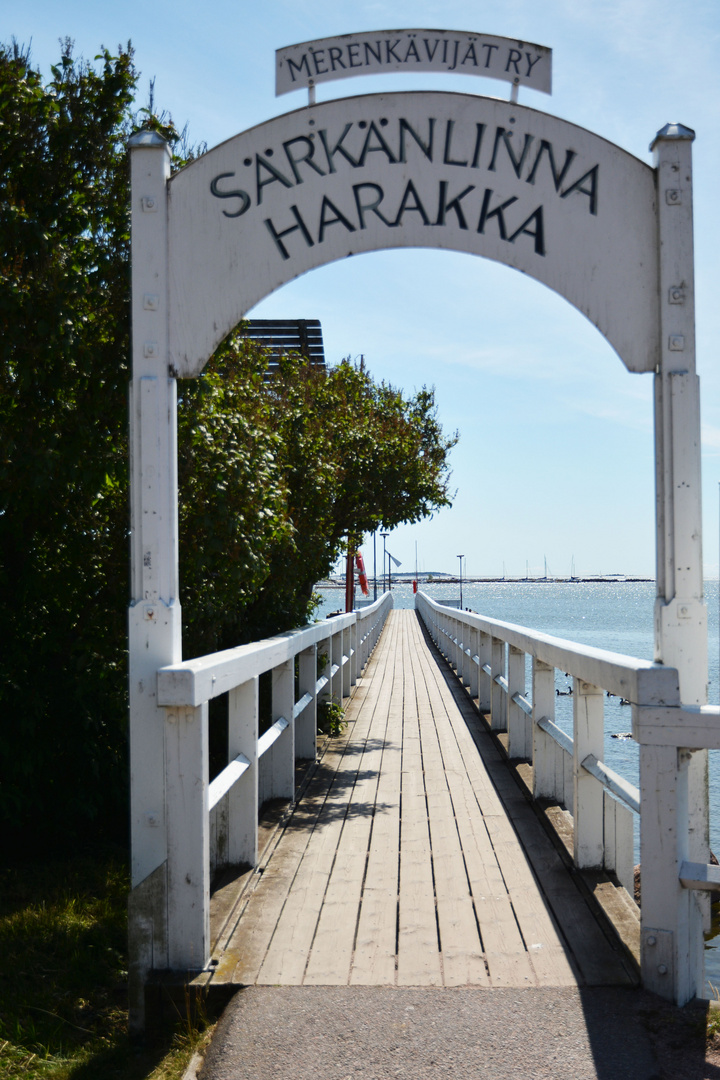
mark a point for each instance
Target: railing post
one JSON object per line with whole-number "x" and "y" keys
{"x": 672, "y": 940}
{"x": 325, "y": 647}
{"x": 543, "y": 699}
{"x": 464, "y": 659}
{"x": 353, "y": 638}
{"x": 516, "y": 719}
{"x": 345, "y": 649}
{"x": 306, "y": 723}
{"x": 188, "y": 826}
{"x": 497, "y": 700}
{"x": 278, "y": 776}
{"x": 474, "y": 669}
{"x": 588, "y": 738}
{"x": 336, "y": 684}
{"x": 485, "y": 680}
{"x": 242, "y": 798}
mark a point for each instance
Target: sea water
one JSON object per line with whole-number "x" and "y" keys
{"x": 607, "y": 615}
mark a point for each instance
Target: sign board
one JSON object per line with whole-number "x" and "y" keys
{"x": 377, "y": 52}
{"x": 418, "y": 169}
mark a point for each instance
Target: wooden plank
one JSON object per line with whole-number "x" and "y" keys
{"x": 248, "y": 945}
{"x": 287, "y": 955}
{"x": 375, "y": 949}
{"x": 505, "y": 951}
{"x": 598, "y": 961}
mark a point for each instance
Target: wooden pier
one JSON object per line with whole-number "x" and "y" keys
{"x": 413, "y": 857}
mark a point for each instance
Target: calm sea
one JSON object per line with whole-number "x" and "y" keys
{"x": 616, "y": 616}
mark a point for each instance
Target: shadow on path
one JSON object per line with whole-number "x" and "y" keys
{"x": 367, "y": 1033}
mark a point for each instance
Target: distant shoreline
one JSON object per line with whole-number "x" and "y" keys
{"x": 614, "y": 579}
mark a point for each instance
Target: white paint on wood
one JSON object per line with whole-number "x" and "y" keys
{"x": 377, "y": 52}
{"x": 425, "y": 169}
{"x": 243, "y": 711}
{"x": 186, "y": 795}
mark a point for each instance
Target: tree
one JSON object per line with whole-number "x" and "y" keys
{"x": 273, "y": 473}
{"x": 276, "y": 473}
{"x": 64, "y": 311}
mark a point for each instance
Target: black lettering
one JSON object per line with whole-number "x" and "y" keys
{"x": 336, "y": 57}
{"x": 592, "y": 177}
{"x": 489, "y": 53}
{"x": 530, "y": 62}
{"x": 538, "y": 234}
{"x": 558, "y": 177}
{"x": 486, "y": 213}
{"x": 427, "y": 48}
{"x": 480, "y": 131}
{"x": 501, "y": 135}
{"x": 412, "y": 48}
{"x": 373, "y": 206}
{"x": 470, "y": 52}
{"x": 445, "y": 45}
{"x": 272, "y": 178}
{"x": 299, "y": 67}
{"x": 337, "y": 149}
{"x": 369, "y": 51}
{"x": 237, "y": 194}
{"x": 352, "y": 56}
{"x": 324, "y": 222}
{"x": 416, "y": 208}
{"x": 448, "y": 140}
{"x": 427, "y": 148}
{"x": 454, "y": 63}
{"x": 318, "y": 69}
{"x": 307, "y": 157}
{"x": 513, "y": 56}
{"x": 453, "y": 204}
{"x": 390, "y": 48}
{"x": 278, "y": 236}
{"x": 382, "y": 148}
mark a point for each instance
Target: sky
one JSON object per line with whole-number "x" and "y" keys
{"x": 555, "y": 458}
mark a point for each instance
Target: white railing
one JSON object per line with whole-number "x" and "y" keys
{"x": 490, "y": 659}
{"x": 213, "y": 825}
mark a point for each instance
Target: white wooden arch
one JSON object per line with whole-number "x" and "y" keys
{"x": 606, "y": 231}
{"x": 433, "y": 170}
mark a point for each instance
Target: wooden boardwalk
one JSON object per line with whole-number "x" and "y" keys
{"x": 413, "y": 858}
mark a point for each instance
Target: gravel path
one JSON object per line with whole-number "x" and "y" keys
{"x": 347, "y": 1033}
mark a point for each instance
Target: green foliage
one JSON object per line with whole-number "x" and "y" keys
{"x": 331, "y": 718}
{"x": 340, "y": 454}
{"x": 63, "y": 458}
{"x": 274, "y": 474}
{"x": 63, "y": 969}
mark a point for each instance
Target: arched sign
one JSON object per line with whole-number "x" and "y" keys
{"x": 434, "y": 170}
{"x": 401, "y": 170}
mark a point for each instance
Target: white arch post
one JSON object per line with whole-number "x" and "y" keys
{"x": 673, "y": 781}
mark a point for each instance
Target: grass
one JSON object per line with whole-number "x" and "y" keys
{"x": 63, "y": 972}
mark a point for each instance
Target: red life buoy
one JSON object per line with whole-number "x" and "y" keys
{"x": 362, "y": 576}
{"x": 414, "y": 586}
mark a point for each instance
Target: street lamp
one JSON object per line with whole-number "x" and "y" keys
{"x": 384, "y": 537}
{"x": 461, "y": 557}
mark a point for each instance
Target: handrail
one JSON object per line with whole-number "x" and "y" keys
{"x": 490, "y": 660}
{"x": 214, "y": 825}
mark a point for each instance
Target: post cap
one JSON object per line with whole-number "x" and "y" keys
{"x": 673, "y": 131}
{"x": 146, "y": 139}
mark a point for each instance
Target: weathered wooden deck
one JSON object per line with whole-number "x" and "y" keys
{"x": 413, "y": 857}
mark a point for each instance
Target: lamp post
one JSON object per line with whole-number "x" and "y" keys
{"x": 384, "y": 538}
{"x": 461, "y": 557}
